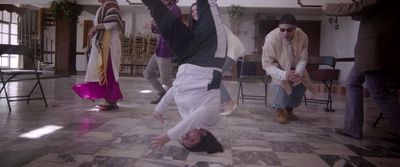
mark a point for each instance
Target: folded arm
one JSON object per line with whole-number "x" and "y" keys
{"x": 349, "y": 9}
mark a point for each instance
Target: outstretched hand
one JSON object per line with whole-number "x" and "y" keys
{"x": 158, "y": 142}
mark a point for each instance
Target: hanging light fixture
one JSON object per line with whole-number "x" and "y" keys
{"x": 134, "y": 3}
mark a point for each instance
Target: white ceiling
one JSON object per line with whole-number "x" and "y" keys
{"x": 251, "y": 6}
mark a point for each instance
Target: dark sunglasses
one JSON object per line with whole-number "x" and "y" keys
{"x": 286, "y": 29}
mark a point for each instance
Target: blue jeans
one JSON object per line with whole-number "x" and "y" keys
{"x": 379, "y": 85}
{"x": 285, "y": 101}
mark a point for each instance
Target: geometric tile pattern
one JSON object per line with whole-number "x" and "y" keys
{"x": 121, "y": 138}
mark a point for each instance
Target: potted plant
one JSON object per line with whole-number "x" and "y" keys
{"x": 234, "y": 12}
{"x": 66, "y": 9}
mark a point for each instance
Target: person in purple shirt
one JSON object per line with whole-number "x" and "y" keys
{"x": 160, "y": 61}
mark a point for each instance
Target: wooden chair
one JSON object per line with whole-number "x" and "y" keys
{"x": 8, "y": 76}
{"x": 325, "y": 76}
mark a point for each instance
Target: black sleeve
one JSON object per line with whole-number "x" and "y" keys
{"x": 170, "y": 27}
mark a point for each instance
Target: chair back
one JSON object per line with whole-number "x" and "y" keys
{"x": 19, "y": 50}
{"x": 317, "y": 74}
{"x": 15, "y": 49}
{"x": 322, "y": 60}
{"x": 252, "y": 58}
{"x": 249, "y": 65}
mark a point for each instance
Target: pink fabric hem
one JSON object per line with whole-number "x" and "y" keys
{"x": 92, "y": 90}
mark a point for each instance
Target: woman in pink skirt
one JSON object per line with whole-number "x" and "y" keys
{"x": 102, "y": 74}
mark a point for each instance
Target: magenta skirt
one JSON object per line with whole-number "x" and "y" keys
{"x": 92, "y": 90}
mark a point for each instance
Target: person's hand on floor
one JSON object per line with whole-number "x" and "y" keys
{"x": 158, "y": 142}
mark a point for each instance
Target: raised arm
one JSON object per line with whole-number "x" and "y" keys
{"x": 170, "y": 27}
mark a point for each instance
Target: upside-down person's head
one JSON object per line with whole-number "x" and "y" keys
{"x": 199, "y": 140}
{"x": 287, "y": 26}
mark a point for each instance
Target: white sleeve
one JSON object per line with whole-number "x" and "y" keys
{"x": 276, "y": 73}
{"x": 167, "y": 100}
{"x": 301, "y": 65}
{"x": 235, "y": 46}
{"x": 109, "y": 26}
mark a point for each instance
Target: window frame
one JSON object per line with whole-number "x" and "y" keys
{"x": 9, "y": 60}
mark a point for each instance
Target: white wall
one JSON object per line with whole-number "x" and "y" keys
{"x": 141, "y": 20}
{"x": 339, "y": 43}
{"x": 246, "y": 30}
{"x": 81, "y": 60}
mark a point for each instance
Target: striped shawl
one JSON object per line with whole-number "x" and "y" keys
{"x": 109, "y": 12}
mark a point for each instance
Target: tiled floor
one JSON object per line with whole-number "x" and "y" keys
{"x": 121, "y": 138}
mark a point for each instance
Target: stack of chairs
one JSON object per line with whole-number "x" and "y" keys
{"x": 126, "y": 58}
{"x": 136, "y": 52}
{"x": 151, "y": 46}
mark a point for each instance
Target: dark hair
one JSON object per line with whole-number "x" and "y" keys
{"x": 288, "y": 19}
{"x": 192, "y": 21}
{"x": 208, "y": 144}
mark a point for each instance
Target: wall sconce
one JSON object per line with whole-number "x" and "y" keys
{"x": 308, "y": 6}
{"x": 333, "y": 21}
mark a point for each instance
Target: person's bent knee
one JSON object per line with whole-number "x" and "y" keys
{"x": 148, "y": 74}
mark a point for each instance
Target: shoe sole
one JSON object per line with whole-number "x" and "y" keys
{"x": 225, "y": 113}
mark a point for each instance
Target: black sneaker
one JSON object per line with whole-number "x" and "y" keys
{"x": 343, "y": 133}
{"x": 395, "y": 150}
{"x": 158, "y": 99}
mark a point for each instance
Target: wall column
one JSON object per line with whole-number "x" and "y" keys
{"x": 65, "y": 61}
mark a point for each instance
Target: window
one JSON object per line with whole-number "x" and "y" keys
{"x": 9, "y": 35}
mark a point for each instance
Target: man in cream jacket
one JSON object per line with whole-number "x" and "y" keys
{"x": 284, "y": 58}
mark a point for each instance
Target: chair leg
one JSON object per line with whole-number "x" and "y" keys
{"x": 305, "y": 99}
{"x": 30, "y": 93}
{"x": 5, "y": 93}
{"x": 241, "y": 90}
{"x": 378, "y": 119}
{"x": 266, "y": 93}
{"x": 329, "y": 100}
{"x": 41, "y": 90}
{"x": 238, "y": 97}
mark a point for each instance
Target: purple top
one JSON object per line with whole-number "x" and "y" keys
{"x": 163, "y": 49}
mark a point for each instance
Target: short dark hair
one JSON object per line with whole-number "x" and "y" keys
{"x": 208, "y": 144}
{"x": 288, "y": 19}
